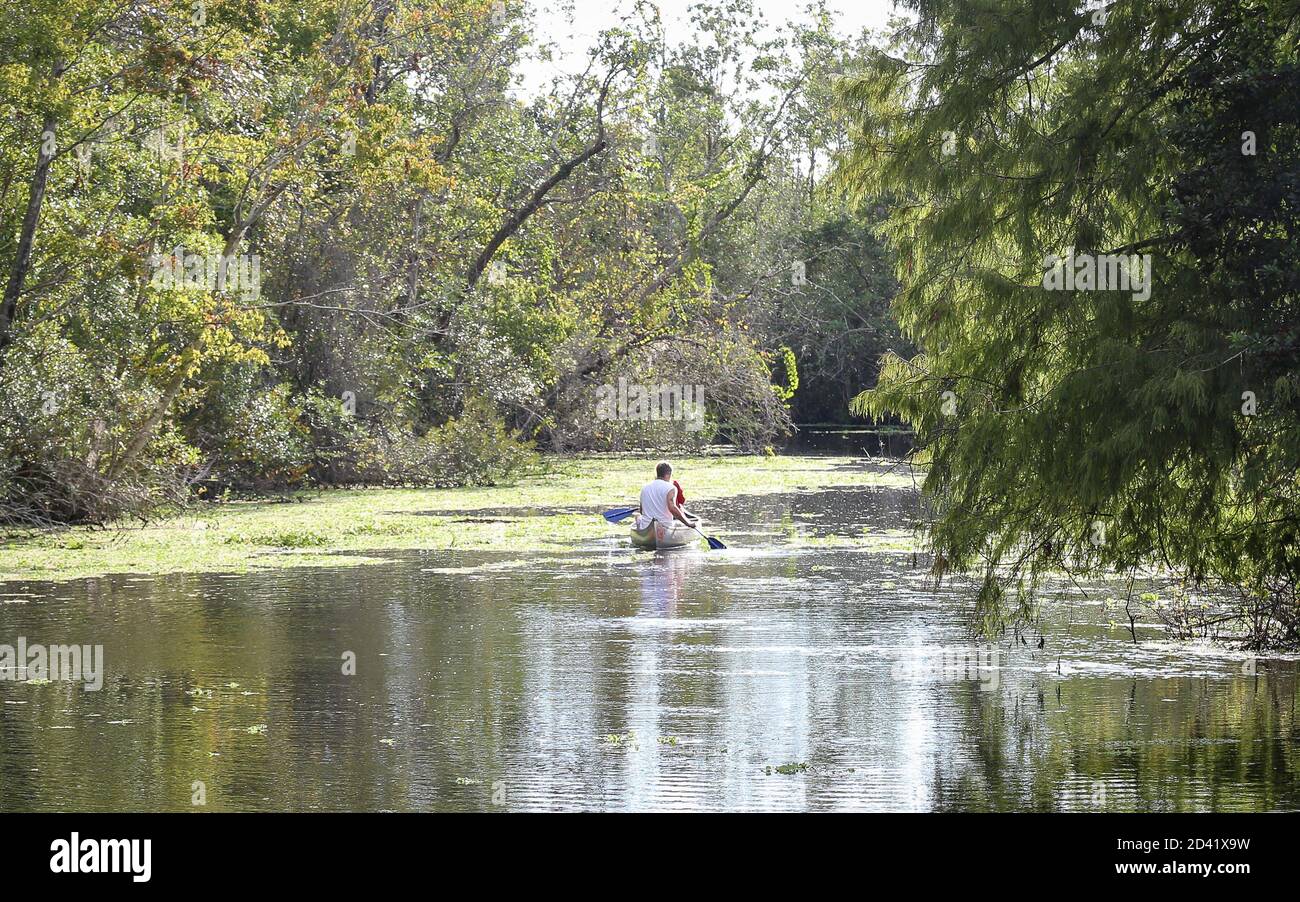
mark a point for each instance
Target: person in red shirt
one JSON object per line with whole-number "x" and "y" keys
{"x": 681, "y": 503}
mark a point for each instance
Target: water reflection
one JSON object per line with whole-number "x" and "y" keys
{"x": 627, "y": 681}
{"x": 849, "y": 441}
{"x": 663, "y": 581}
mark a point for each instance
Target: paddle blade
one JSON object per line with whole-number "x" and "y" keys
{"x": 715, "y": 544}
{"x": 619, "y": 514}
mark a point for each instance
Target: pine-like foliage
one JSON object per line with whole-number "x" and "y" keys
{"x": 1092, "y": 429}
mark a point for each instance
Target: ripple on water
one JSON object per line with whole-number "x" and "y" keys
{"x": 493, "y": 680}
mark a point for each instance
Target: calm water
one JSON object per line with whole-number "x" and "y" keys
{"x": 613, "y": 680}
{"x": 851, "y": 441}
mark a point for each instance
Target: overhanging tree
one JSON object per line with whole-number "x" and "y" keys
{"x": 1089, "y": 429}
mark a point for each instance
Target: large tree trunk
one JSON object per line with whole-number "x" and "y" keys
{"x": 26, "y": 236}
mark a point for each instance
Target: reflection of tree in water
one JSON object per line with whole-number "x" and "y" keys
{"x": 840, "y": 510}
{"x": 1094, "y": 743}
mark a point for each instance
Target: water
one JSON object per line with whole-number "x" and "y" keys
{"x": 612, "y": 680}
{"x": 864, "y": 441}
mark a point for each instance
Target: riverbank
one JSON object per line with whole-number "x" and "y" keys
{"x": 349, "y": 527}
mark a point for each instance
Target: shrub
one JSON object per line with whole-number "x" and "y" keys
{"x": 475, "y": 448}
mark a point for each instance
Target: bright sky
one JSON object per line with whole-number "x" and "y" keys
{"x": 572, "y": 25}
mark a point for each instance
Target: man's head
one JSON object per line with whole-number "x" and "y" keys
{"x": 664, "y": 470}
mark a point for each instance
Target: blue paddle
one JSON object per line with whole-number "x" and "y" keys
{"x": 715, "y": 544}
{"x": 619, "y": 514}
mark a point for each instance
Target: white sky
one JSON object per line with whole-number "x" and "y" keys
{"x": 572, "y": 25}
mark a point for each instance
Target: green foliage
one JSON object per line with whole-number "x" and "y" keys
{"x": 791, "y": 368}
{"x": 1096, "y": 429}
{"x": 474, "y": 448}
{"x": 838, "y": 322}
{"x": 459, "y": 258}
{"x": 259, "y": 438}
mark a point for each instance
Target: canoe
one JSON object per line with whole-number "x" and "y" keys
{"x": 663, "y": 536}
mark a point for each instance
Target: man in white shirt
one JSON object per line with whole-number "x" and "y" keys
{"x": 659, "y": 500}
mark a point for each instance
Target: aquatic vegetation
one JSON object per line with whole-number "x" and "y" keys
{"x": 794, "y": 767}
{"x": 556, "y": 511}
{"x": 282, "y": 539}
{"x": 882, "y": 540}
{"x": 620, "y": 739}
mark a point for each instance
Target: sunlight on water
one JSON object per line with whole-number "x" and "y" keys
{"x": 769, "y": 677}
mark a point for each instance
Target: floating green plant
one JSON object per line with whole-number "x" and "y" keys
{"x": 794, "y": 767}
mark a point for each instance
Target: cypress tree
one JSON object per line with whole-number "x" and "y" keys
{"x": 1109, "y": 421}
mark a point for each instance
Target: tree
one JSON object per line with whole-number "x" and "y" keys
{"x": 1149, "y": 415}
{"x": 279, "y": 242}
